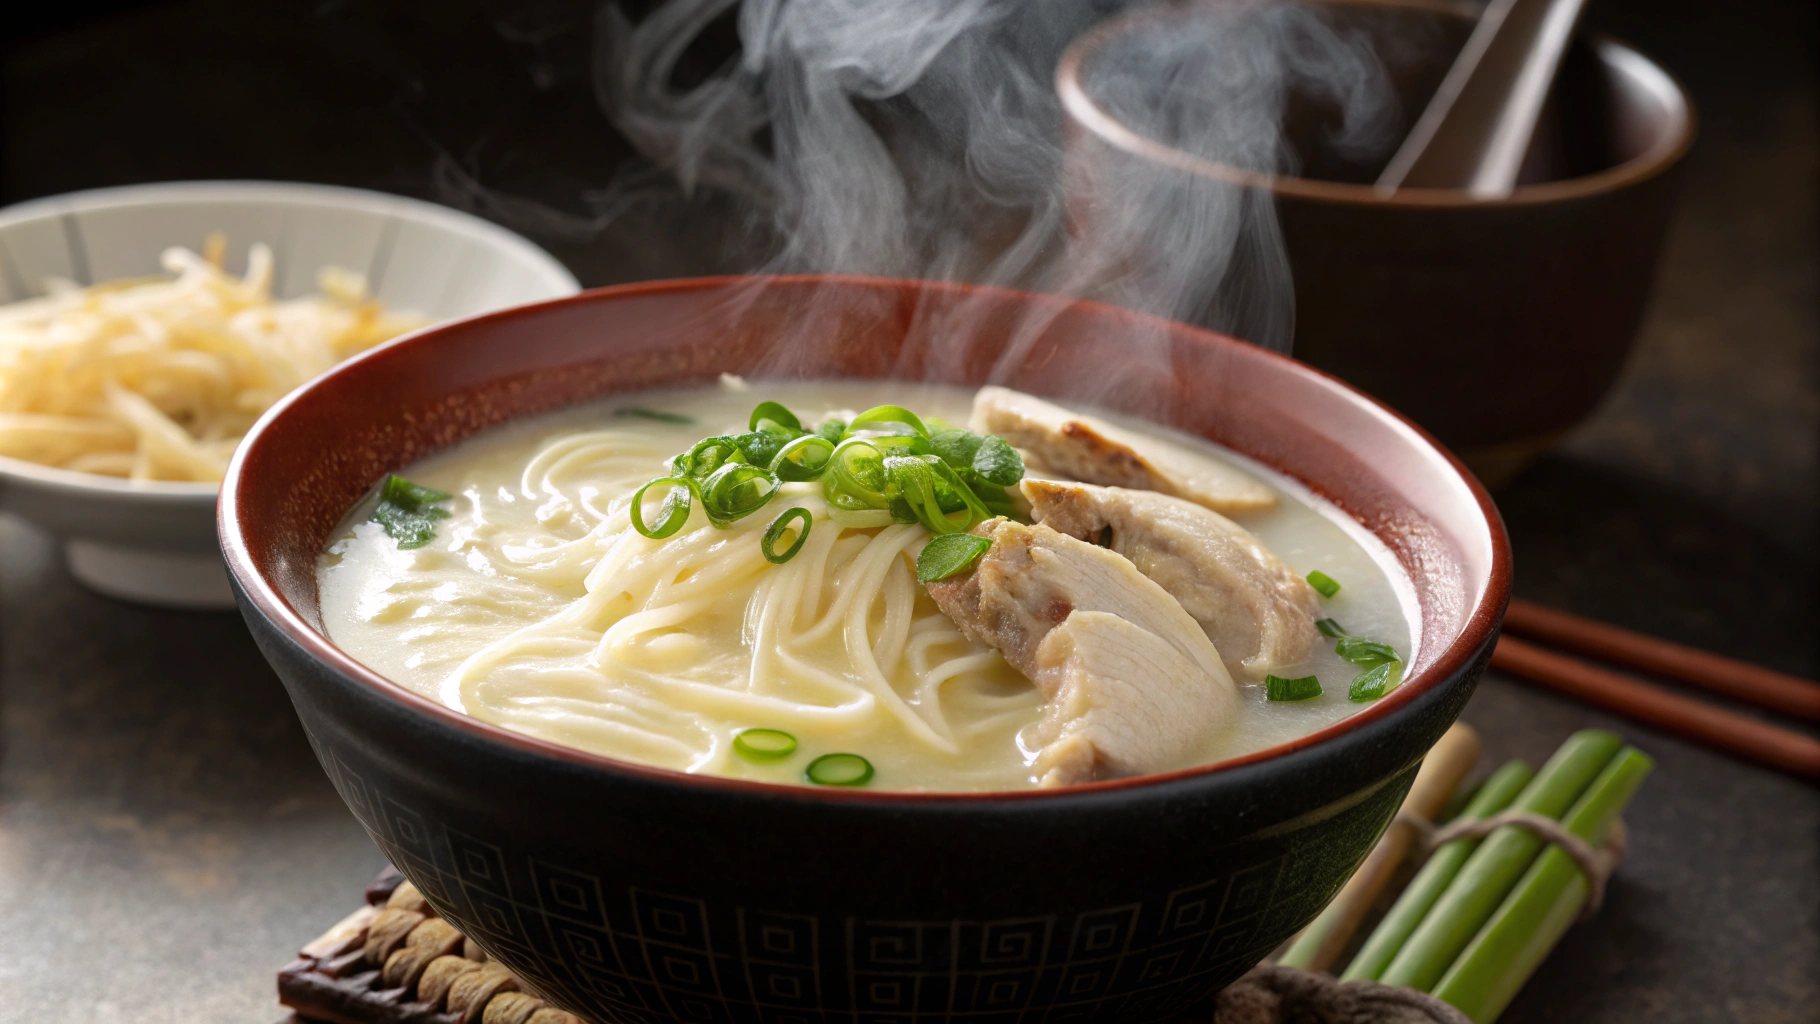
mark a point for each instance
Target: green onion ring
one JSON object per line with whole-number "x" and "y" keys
{"x": 674, "y": 512}
{"x": 912, "y": 477}
{"x": 690, "y": 463}
{"x": 728, "y": 495}
{"x": 764, "y": 744}
{"x": 887, "y": 414}
{"x": 859, "y": 519}
{"x": 803, "y": 459}
{"x": 842, "y": 467}
{"x": 839, "y": 770}
{"x": 776, "y": 413}
{"x": 977, "y": 512}
{"x": 768, "y": 543}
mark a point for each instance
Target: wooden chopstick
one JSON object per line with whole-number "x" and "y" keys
{"x": 1739, "y": 735}
{"x": 1739, "y": 680}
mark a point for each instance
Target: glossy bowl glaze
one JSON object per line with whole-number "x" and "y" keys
{"x": 631, "y": 893}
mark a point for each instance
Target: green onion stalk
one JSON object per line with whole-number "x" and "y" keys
{"x": 1387, "y": 939}
{"x": 1542, "y": 905}
{"x": 1492, "y": 871}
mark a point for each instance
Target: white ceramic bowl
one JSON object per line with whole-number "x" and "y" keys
{"x": 155, "y": 542}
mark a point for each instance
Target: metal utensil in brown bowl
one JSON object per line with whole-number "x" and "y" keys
{"x": 626, "y": 892}
{"x": 1496, "y": 324}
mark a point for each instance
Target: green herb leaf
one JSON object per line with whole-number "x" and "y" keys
{"x": 839, "y": 770}
{"x": 956, "y": 447}
{"x": 1376, "y": 682}
{"x": 764, "y": 744}
{"x": 1278, "y": 688}
{"x": 1365, "y": 653}
{"x": 655, "y": 414}
{"x": 775, "y": 532}
{"x": 760, "y": 447}
{"x": 782, "y": 420}
{"x": 997, "y": 462}
{"x": 408, "y": 512}
{"x": 949, "y": 554}
{"x": 1323, "y": 584}
{"x": 1331, "y": 629}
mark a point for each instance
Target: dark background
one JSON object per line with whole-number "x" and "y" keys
{"x": 166, "y": 840}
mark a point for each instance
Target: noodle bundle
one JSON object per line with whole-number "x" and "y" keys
{"x": 834, "y": 640}
{"x": 508, "y": 579}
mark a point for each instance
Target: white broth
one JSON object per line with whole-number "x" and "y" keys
{"x": 537, "y": 608}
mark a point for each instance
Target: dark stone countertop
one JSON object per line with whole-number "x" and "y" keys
{"x": 167, "y": 840}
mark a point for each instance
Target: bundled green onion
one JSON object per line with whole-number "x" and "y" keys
{"x": 886, "y": 465}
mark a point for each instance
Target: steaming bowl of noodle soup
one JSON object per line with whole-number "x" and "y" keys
{"x": 528, "y": 800}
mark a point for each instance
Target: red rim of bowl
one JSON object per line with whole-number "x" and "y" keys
{"x": 1479, "y": 627}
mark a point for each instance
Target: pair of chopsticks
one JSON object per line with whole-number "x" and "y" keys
{"x": 1742, "y": 736}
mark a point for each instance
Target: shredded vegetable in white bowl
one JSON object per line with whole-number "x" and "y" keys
{"x": 143, "y": 330}
{"x": 159, "y": 379}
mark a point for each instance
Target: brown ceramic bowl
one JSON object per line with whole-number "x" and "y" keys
{"x": 631, "y": 893}
{"x": 1497, "y": 325}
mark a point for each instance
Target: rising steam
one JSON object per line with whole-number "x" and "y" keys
{"x": 926, "y": 140}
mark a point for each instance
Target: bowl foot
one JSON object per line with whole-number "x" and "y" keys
{"x": 161, "y": 578}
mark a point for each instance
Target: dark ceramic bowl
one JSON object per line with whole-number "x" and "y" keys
{"x": 1496, "y": 324}
{"x": 630, "y": 893}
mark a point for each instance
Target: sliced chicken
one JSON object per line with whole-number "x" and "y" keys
{"x": 1132, "y": 684}
{"x": 1257, "y": 611}
{"x": 1085, "y": 448}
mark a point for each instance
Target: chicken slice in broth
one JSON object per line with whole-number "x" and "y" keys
{"x": 1089, "y": 449}
{"x": 1131, "y": 684}
{"x": 1257, "y": 611}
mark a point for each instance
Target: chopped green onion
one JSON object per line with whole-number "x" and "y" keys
{"x": 672, "y": 514}
{"x": 997, "y": 462}
{"x": 857, "y": 468}
{"x": 775, "y": 532}
{"x": 832, "y": 431}
{"x": 1376, "y": 682}
{"x": 1324, "y": 584}
{"x": 408, "y": 512}
{"x": 1331, "y": 629}
{"x": 804, "y": 458}
{"x": 735, "y": 491}
{"x": 860, "y": 519}
{"x": 1278, "y": 688}
{"x": 706, "y": 456}
{"x": 655, "y": 414}
{"x": 839, "y": 770}
{"x": 949, "y": 554}
{"x": 888, "y": 419}
{"x": 1365, "y": 653}
{"x": 764, "y": 744}
{"x": 778, "y": 416}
